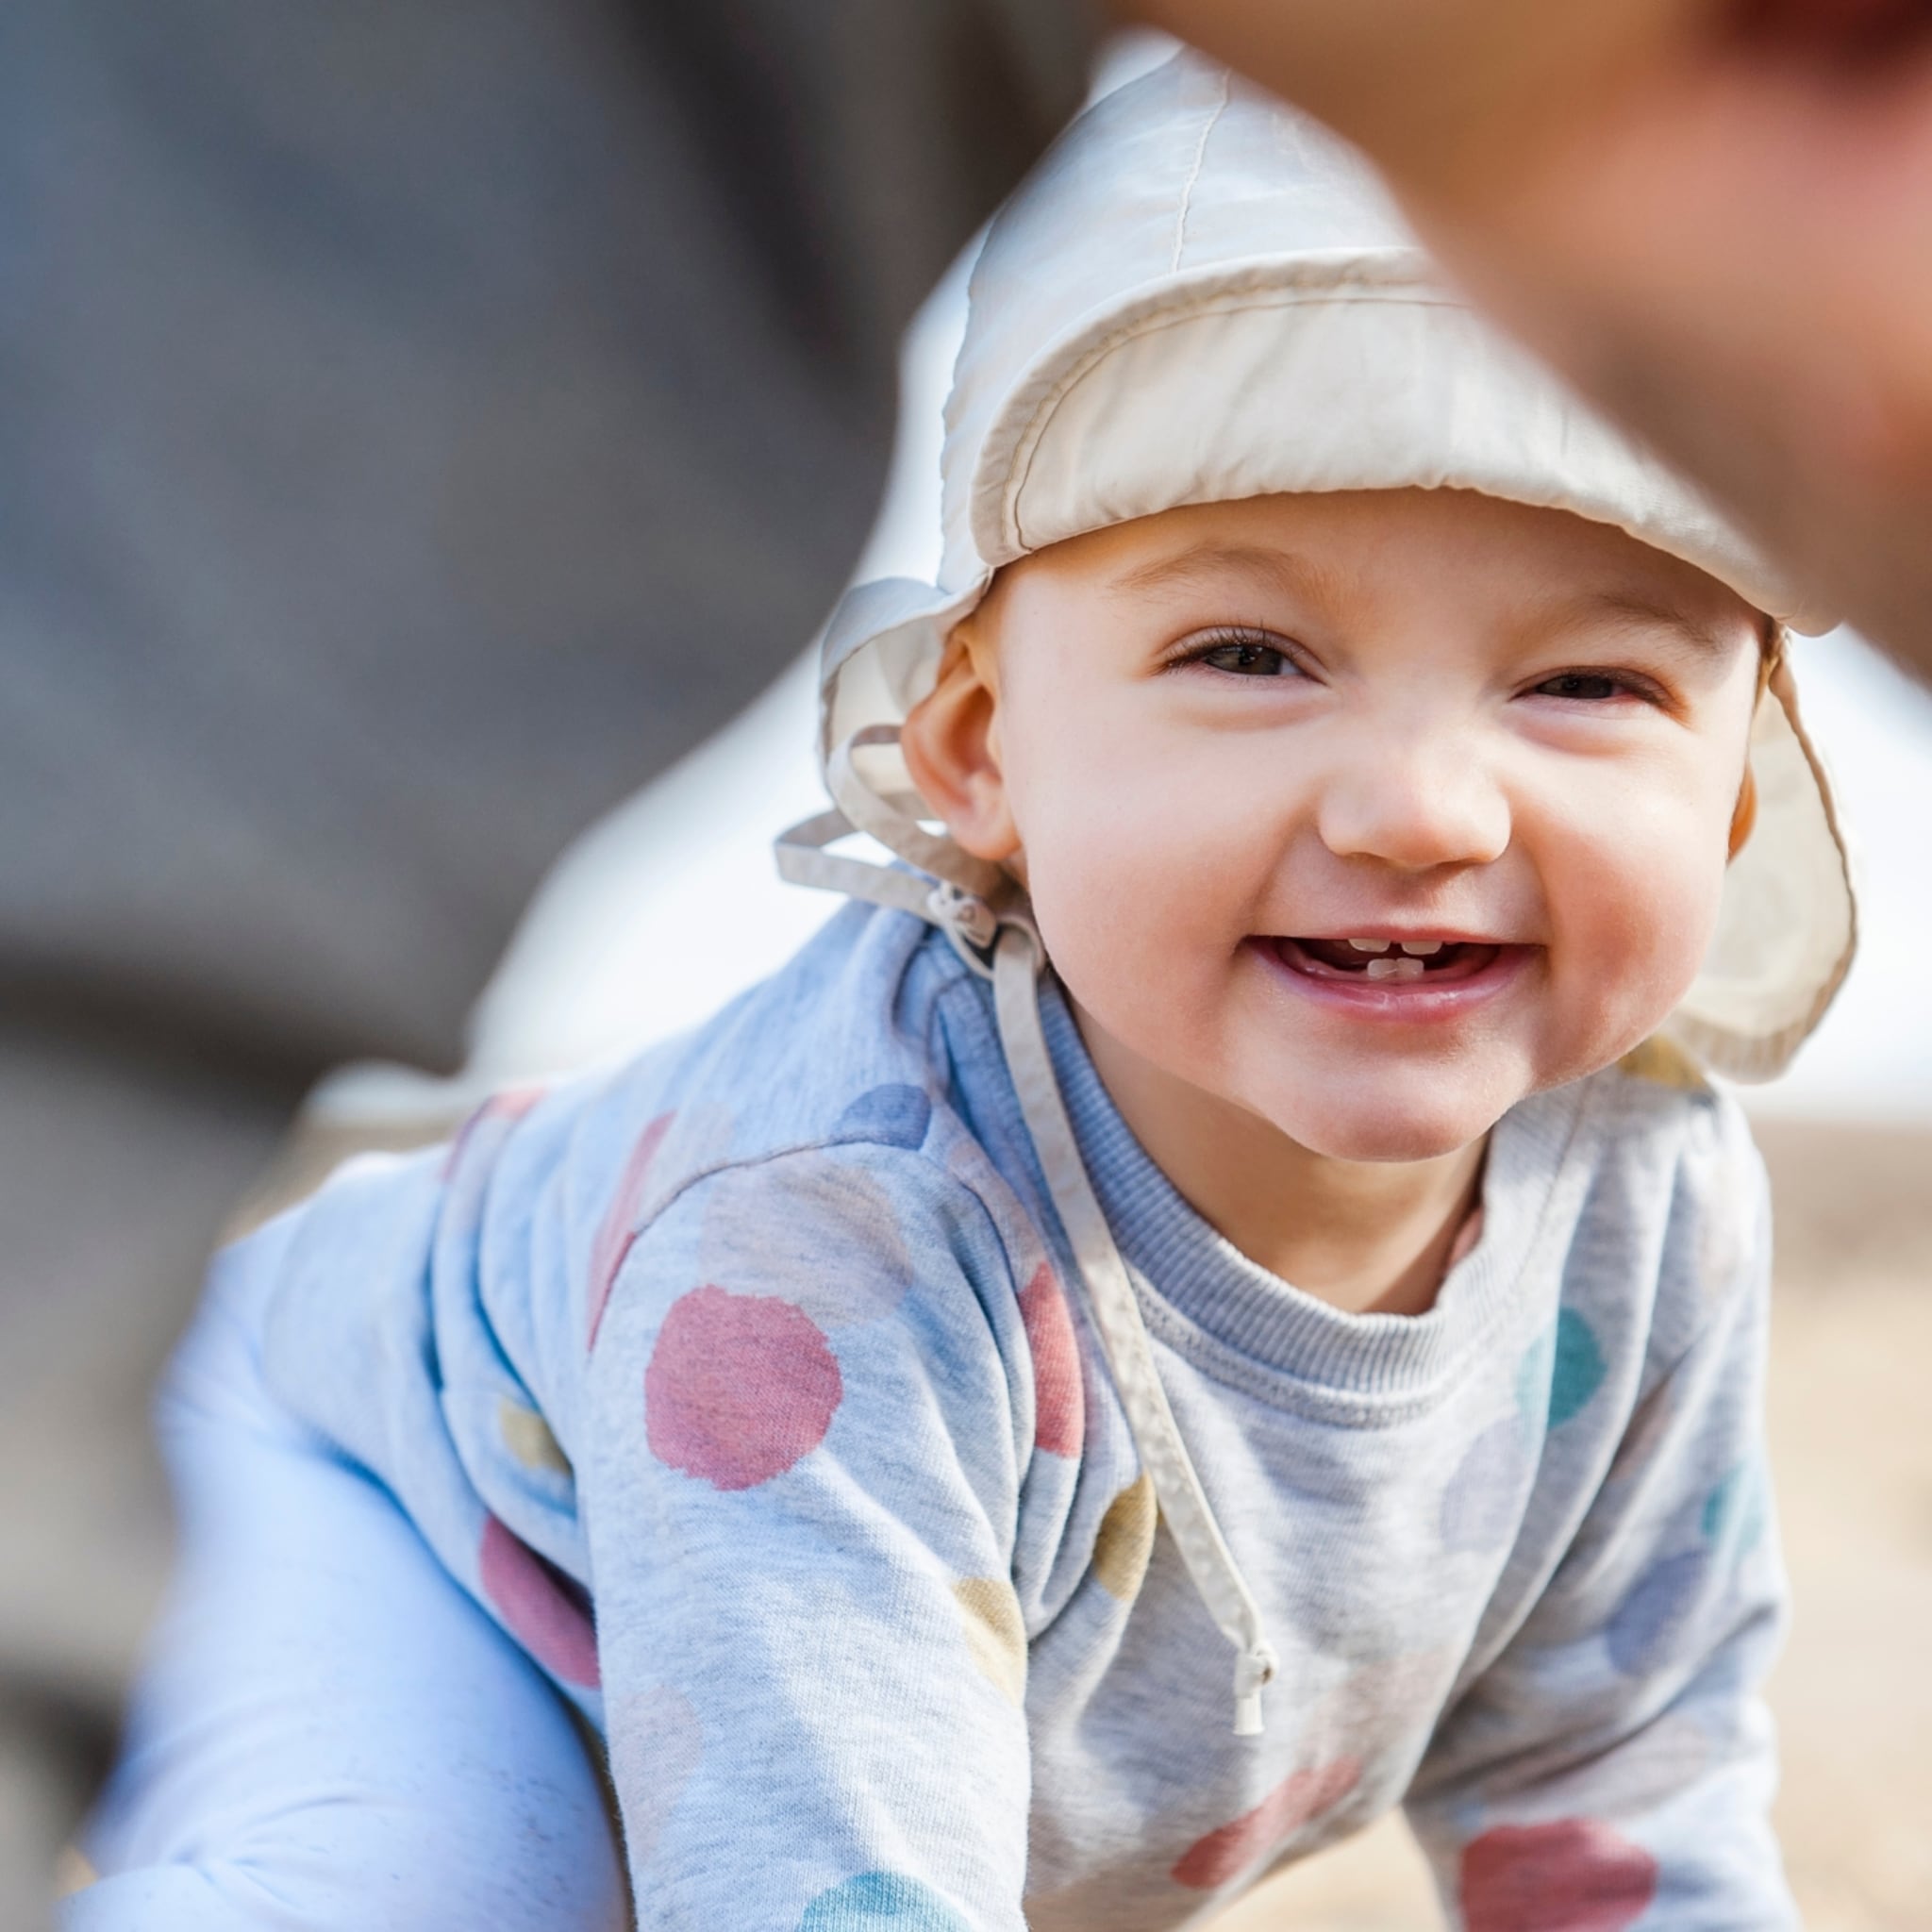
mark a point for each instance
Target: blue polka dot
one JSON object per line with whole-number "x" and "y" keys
{"x": 1482, "y": 1504}
{"x": 1579, "y": 1372}
{"x": 897, "y": 1116}
{"x": 881, "y": 1902}
{"x": 1647, "y": 1622}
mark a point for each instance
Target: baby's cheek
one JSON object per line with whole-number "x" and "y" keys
{"x": 1133, "y": 926}
{"x": 1634, "y": 945}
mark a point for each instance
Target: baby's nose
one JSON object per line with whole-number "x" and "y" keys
{"x": 1415, "y": 802}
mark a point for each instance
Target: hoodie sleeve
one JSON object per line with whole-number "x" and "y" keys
{"x": 798, "y": 1473}
{"x": 1615, "y": 1765}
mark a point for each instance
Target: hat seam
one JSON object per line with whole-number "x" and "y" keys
{"x": 1010, "y": 451}
{"x": 1180, "y": 222}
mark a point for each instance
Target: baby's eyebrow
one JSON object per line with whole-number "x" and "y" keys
{"x": 1652, "y": 613}
{"x": 1204, "y": 565}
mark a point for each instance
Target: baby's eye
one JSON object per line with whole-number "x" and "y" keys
{"x": 1591, "y": 686}
{"x": 1247, "y": 658}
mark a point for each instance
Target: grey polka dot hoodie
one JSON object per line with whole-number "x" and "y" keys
{"x": 752, "y": 1389}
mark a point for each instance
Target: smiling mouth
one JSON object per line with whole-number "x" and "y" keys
{"x": 1387, "y": 963}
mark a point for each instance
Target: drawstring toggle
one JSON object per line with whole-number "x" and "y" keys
{"x": 964, "y": 913}
{"x": 1254, "y": 1667}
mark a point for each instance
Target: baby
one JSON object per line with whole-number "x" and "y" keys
{"x": 1224, "y": 1305}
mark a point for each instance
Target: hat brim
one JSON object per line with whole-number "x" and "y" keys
{"x": 878, "y": 655}
{"x": 1788, "y": 924}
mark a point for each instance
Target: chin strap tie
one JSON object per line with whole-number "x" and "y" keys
{"x": 993, "y": 932}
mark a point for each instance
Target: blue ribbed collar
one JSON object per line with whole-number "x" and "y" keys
{"x": 1206, "y": 1299}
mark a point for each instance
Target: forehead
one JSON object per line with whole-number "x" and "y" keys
{"x": 1357, "y": 553}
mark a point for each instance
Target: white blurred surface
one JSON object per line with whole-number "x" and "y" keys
{"x": 656, "y": 916}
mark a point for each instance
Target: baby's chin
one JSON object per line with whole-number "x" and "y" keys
{"x": 1387, "y": 1121}
{"x": 1385, "y": 1142}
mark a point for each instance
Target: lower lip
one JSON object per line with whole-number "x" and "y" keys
{"x": 1412, "y": 1001}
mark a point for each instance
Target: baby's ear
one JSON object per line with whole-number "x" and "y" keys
{"x": 1744, "y": 815}
{"x": 951, "y": 746}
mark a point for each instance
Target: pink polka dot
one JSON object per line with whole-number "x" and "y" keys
{"x": 500, "y": 1110}
{"x": 1210, "y": 1862}
{"x": 1573, "y": 1875}
{"x": 655, "y": 1743}
{"x": 619, "y": 1224}
{"x": 542, "y": 1608}
{"x": 1059, "y": 1404}
{"x": 739, "y": 1387}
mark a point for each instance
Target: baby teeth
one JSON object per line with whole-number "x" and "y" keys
{"x": 1370, "y": 945}
{"x": 1422, "y": 949}
{"x": 1395, "y": 969}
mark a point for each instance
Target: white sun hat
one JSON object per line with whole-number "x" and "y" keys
{"x": 1199, "y": 296}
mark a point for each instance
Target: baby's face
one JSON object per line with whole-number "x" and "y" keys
{"x": 1367, "y": 813}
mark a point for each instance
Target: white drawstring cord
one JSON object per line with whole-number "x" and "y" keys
{"x": 1007, "y": 931}
{"x": 1017, "y": 961}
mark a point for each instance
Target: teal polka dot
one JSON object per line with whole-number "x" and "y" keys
{"x": 1579, "y": 1372}
{"x": 1736, "y": 1507}
{"x": 1754, "y": 1515}
{"x": 881, "y": 1902}
{"x": 1533, "y": 1379}
{"x": 1720, "y": 1506}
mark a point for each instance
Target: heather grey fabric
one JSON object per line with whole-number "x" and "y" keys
{"x": 753, "y": 1391}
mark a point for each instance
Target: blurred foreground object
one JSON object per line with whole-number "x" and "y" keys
{"x": 1715, "y": 216}
{"x": 424, "y": 424}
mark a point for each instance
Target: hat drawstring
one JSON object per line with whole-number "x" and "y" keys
{"x": 1018, "y": 959}
{"x": 998, "y": 940}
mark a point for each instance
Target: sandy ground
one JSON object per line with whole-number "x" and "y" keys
{"x": 1851, "y": 1424}
{"x": 1851, "y": 1430}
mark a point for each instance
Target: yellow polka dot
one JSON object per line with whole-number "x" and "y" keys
{"x": 1656, "y": 1060}
{"x": 1125, "y": 1540}
{"x": 529, "y": 1439}
{"x": 995, "y": 1634}
{"x": 72, "y": 1873}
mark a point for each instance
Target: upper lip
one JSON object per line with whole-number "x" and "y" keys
{"x": 1399, "y": 935}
